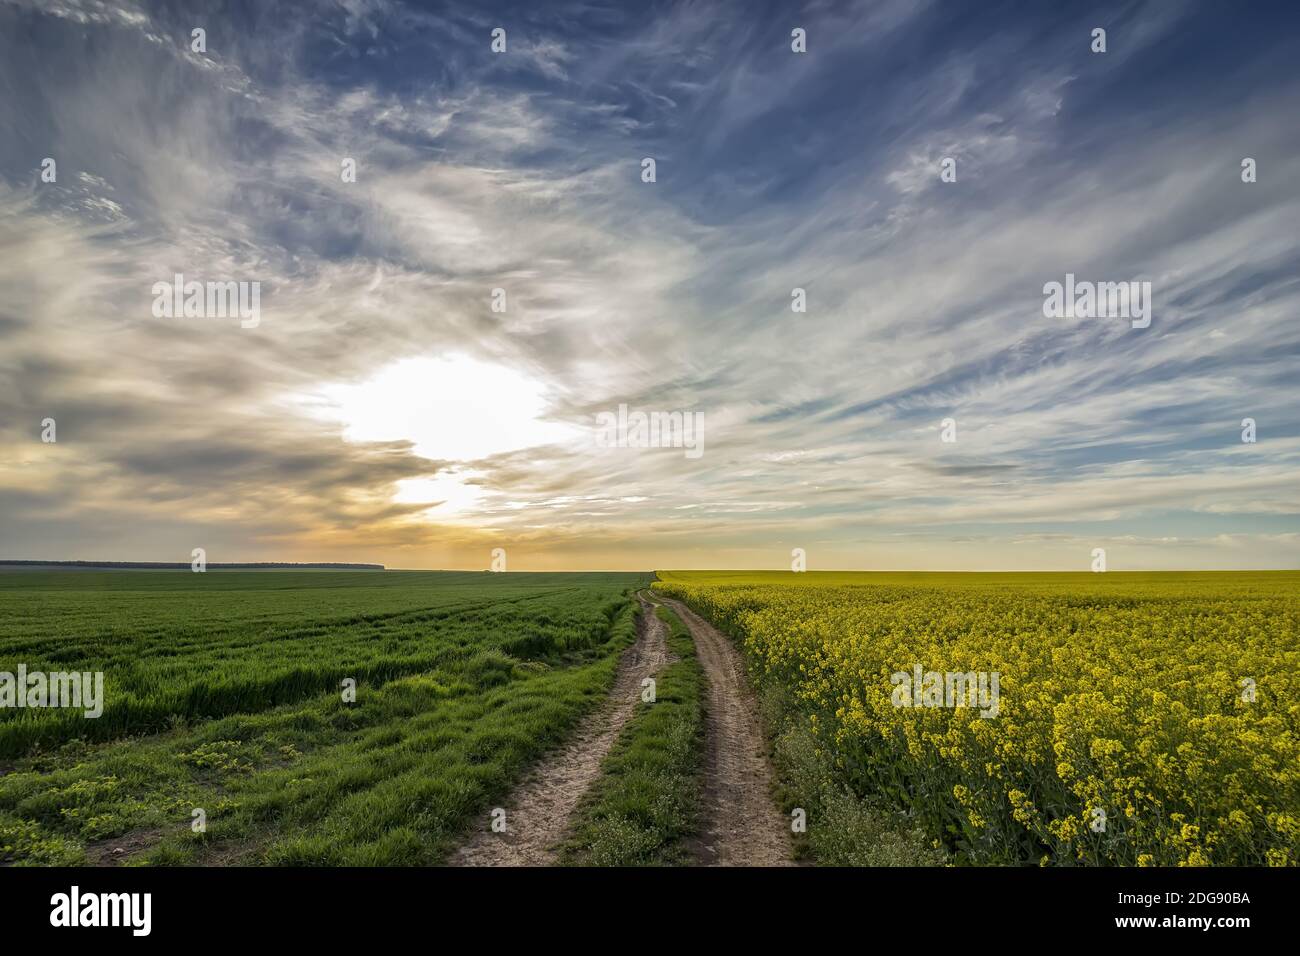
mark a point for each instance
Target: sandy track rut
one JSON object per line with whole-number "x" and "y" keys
{"x": 743, "y": 826}
{"x": 538, "y": 812}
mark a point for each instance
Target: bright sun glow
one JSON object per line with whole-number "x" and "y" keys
{"x": 452, "y": 408}
{"x": 447, "y": 492}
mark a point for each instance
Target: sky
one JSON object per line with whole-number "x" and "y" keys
{"x": 923, "y": 411}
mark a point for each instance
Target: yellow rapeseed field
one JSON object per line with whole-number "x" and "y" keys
{"x": 1141, "y": 719}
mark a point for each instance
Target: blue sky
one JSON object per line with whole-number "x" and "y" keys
{"x": 381, "y": 410}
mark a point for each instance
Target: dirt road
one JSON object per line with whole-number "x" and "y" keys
{"x": 538, "y": 812}
{"x": 743, "y": 826}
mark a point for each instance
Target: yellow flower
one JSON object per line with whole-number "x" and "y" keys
{"x": 1120, "y": 734}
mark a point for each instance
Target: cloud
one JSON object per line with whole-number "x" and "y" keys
{"x": 522, "y": 171}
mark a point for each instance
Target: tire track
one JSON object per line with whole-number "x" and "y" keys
{"x": 743, "y": 826}
{"x": 539, "y": 811}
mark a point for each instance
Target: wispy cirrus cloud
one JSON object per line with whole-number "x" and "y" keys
{"x": 776, "y": 170}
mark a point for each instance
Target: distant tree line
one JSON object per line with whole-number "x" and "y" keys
{"x": 184, "y": 565}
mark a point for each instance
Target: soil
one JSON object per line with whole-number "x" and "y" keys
{"x": 743, "y": 826}
{"x": 538, "y": 813}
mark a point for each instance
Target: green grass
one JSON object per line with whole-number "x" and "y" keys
{"x": 644, "y": 806}
{"x": 223, "y": 694}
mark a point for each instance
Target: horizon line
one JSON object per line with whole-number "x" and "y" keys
{"x": 375, "y": 566}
